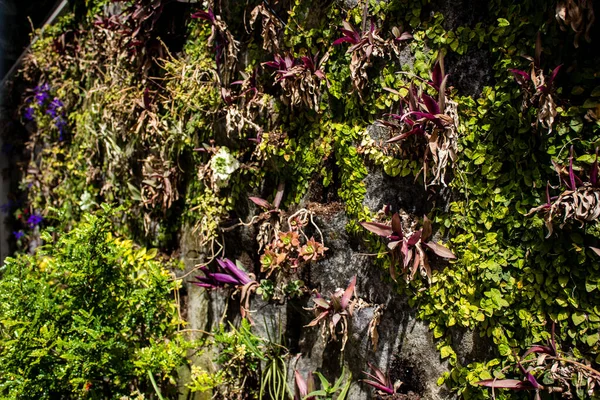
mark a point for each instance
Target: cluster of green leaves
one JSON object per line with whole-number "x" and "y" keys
{"x": 247, "y": 366}
{"x": 88, "y": 316}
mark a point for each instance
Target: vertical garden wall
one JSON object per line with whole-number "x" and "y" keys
{"x": 226, "y": 198}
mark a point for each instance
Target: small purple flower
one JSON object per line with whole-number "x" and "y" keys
{"x": 53, "y": 107}
{"x": 41, "y": 97}
{"x": 41, "y": 93}
{"x": 34, "y": 220}
{"x": 18, "y": 234}
{"x": 29, "y": 114}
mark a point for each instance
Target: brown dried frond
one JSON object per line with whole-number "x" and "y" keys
{"x": 579, "y": 15}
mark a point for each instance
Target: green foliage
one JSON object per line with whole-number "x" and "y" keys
{"x": 87, "y": 316}
{"x": 508, "y": 283}
{"x": 247, "y": 366}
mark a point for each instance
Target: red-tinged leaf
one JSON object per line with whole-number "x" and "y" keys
{"x": 414, "y": 131}
{"x": 571, "y": 173}
{"x": 348, "y": 293}
{"x": 415, "y": 266}
{"x": 319, "y": 318}
{"x": 513, "y": 384}
{"x": 207, "y": 16}
{"x": 261, "y": 202}
{"x": 321, "y": 302}
{"x": 279, "y": 194}
{"x": 532, "y": 380}
{"x": 204, "y": 285}
{"x": 404, "y": 36}
{"x": 344, "y": 39}
{"x": 519, "y": 73}
{"x": 272, "y": 64}
{"x": 412, "y": 97}
{"x": 407, "y": 255}
{"x": 392, "y": 245}
{"x": 335, "y": 319}
{"x": 225, "y": 278}
{"x": 348, "y": 26}
{"x": 380, "y": 375}
{"x": 431, "y": 105}
{"x": 539, "y": 349}
{"x": 553, "y": 75}
{"x": 414, "y": 238}
{"x": 378, "y": 229}
{"x": 320, "y": 74}
{"x": 301, "y": 385}
{"x": 378, "y": 386}
{"x": 440, "y": 250}
{"x": 397, "y": 225}
{"x": 426, "y": 229}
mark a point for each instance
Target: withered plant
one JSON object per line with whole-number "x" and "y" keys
{"x": 335, "y": 311}
{"x": 561, "y": 373}
{"x": 431, "y": 121}
{"x": 271, "y": 27}
{"x": 538, "y": 89}
{"x": 579, "y": 201}
{"x": 579, "y": 15}
{"x": 225, "y": 46}
{"x": 230, "y": 276}
{"x": 300, "y": 79}
{"x": 363, "y": 46}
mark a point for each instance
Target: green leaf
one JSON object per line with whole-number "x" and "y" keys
{"x": 502, "y": 22}
{"x": 592, "y": 339}
{"x": 446, "y": 351}
{"x": 578, "y": 318}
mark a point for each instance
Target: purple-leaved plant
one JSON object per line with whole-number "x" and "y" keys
{"x": 232, "y": 276}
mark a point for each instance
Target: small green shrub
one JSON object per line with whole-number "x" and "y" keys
{"x": 79, "y": 318}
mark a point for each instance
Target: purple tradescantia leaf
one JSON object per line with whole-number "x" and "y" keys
{"x": 553, "y": 75}
{"x": 540, "y": 349}
{"x": 440, "y": 250}
{"x": 379, "y": 380}
{"x": 520, "y": 75}
{"x": 378, "y": 229}
{"x": 345, "y": 300}
{"x": 378, "y": 386}
{"x": 572, "y": 183}
{"x": 321, "y": 302}
{"x": 513, "y": 384}
{"x": 233, "y": 270}
{"x": 415, "y": 131}
{"x": 261, "y": 202}
{"x": 530, "y": 378}
{"x": 431, "y": 105}
{"x": 204, "y": 15}
{"x": 225, "y": 278}
{"x": 404, "y": 36}
{"x": 397, "y": 225}
{"x": 414, "y": 238}
{"x": 437, "y": 75}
